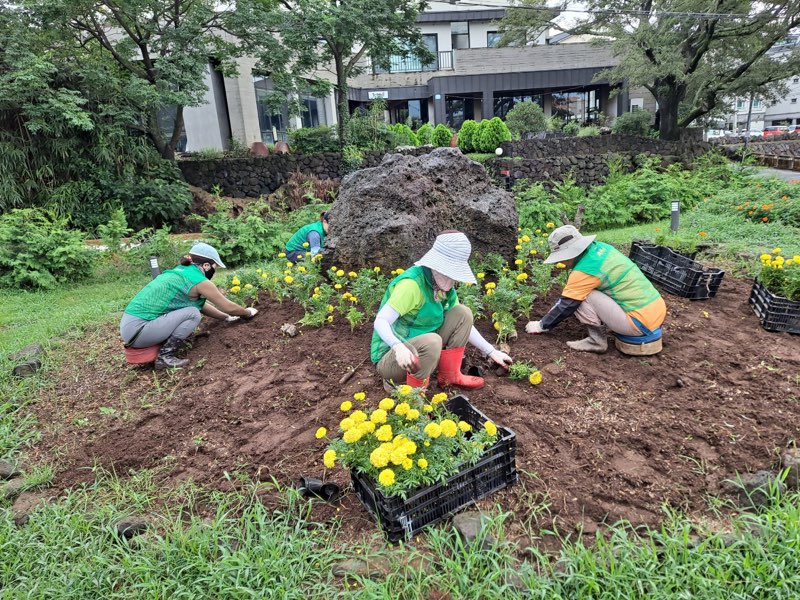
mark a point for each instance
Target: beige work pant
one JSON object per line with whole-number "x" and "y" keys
{"x": 453, "y": 333}
{"x": 599, "y": 309}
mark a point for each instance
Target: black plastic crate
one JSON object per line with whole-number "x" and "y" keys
{"x": 401, "y": 519}
{"x": 676, "y": 273}
{"x": 775, "y": 312}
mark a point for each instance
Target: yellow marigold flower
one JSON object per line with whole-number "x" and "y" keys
{"x": 236, "y": 289}
{"x": 526, "y": 239}
{"x": 490, "y": 428}
{"x": 354, "y": 299}
{"x": 338, "y": 286}
{"x": 561, "y": 265}
{"x": 796, "y": 258}
{"x": 346, "y": 423}
{"x": 316, "y": 290}
{"x": 352, "y": 435}
{"x": 519, "y": 261}
{"x": 438, "y": 398}
{"x": 384, "y": 434}
{"x": 433, "y": 430}
{"x": 422, "y": 463}
{"x": 314, "y": 296}
{"x": 519, "y": 240}
{"x": 491, "y": 285}
{"x": 263, "y": 276}
{"x": 321, "y": 433}
{"x": 379, "y": 458}
{"x": 329, "y": 308}
{"x": 334, "y": 269}
{"x": 489, "y": 292}
{"x": 376, "y": 269}
{"x": 765, "y": 257}
{"x": 517, "y": 247}
{"x": 386, "y": 478}
{"x": 404, "y": 390}
{"x": 289, "y": 265}
{"x": 776, "y": 251}
{"x": 352, "y": 274}
{"x": 400, "y": 271}
{"x": 505, "y": 269}
{"x": 248, "y": 286}
{"x": 411, "y": 447}
{"x": 330, "y": 318}
{"x": 359, "y": 396}
{"x": 534, "y": 252}
{"x": 378, "y": 416}
{"x": 329, "y": 458}
{"x": 426, "y": 444}
{"x": 449, "y": 428}
{"x": 386, "y": 404}
{"x": 522, "y": 277}
{"x": 258, "y": 271}
{"x": 408, "y": 464}
{"x": 235, "y": 281}
{"x": 789, "y": 262}
{"x": 497, "y": 326}
{"x": 427, "y": 408}
{"x": 550, "y": 225}
{"x": 366, "y": 427}
{"x": 288, "y": 279}
{"x": 538, "y": 231}
{"x": 308, "y": 253}
{"x": 340, "y": 273}
{"x": 480, "y": 275}
{"x": 402, "y": 408}
{"x": 535, "y": 378}
{"x": 346, "y": 295}
{"x": 301, "y": 269}
{"x": 346, "y": 405}
{"x": 412, "y": 415}
{"x": 464, "y": 426}
{"x": 359, "y": 416}
{"x": 317, "y": 258}
{"x": 306, "y": 244}
{"x": 399, "y": 455}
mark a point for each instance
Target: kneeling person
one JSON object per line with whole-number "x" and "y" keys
{"x": 421, "y": 325}
{"x": 605, "y": 290}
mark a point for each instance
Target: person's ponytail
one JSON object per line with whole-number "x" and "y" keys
{"x": 186, "y": 260}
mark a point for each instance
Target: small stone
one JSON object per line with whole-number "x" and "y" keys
{"x": 289, "y": 329}
{"x": 469, "y": 526}
{"x": 679, "y": 382}
{"x": 130, "y": 526}
{"x": 751, "y": 489}
{"x": 11, "y": 489}
{"x": 357, "y": 566}
{"x": 503, "y": 347}
{"x": 27, "y": 368}
{"x": 8, "y": 470}
{"x": 24, "y": 505}
{"x": 29, "y": 352}
{"x": 791, "y": 460}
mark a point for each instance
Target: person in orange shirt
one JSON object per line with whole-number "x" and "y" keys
{"x": 605, "y": 290}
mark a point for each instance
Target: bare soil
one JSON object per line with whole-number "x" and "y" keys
{"x": 602, "y": 438}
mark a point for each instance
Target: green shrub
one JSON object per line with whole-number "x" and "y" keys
{"x": 466, "y": 136}
{"x": 424, "y": 134}
{"x": 526, "y": 117}
{"x": 37, "y": 250}
{"x": 633, "y": 123}
{"x": 352, "y": 158}
{"x": 589, "y": 131}
{"x": 83, "y": 203}
{"x": 312, "y": 140}
{"x": 491, "y": 134}
{"x": 535, "y": 205}
{"x": 367, "y": 130}
{"x": 403, "y": 135}
{"x": 441, "y": 136}
{"x": 208, "y": 154}
{"x": 572, "y": 128}
{"x": 158, "y": 243}
{"x": 112, "y": 232}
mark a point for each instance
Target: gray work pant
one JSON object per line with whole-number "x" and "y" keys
{"x": 179, "y": 323}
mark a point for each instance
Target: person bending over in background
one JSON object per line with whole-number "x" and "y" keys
{"x": 421, "y": 325}
{"x": 605, "y": 290}
{"x": 312, "y": 234}
{"x": 168, "y": 308}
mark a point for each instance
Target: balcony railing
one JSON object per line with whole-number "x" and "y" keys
{"x": 403, "y": 64}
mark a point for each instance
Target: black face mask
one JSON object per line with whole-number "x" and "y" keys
{"x": 210, "y": 272}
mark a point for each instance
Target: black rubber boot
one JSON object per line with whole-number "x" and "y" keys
{"x": 166, "y": 356}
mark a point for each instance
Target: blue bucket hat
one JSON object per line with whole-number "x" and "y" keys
{"x": 207, "y": 251}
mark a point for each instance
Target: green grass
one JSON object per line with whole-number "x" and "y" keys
{"x": 27, "y": 317}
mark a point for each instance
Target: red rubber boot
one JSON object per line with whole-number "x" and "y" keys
{"x": 417, "y": 383}
{"x": 450, "y": 370}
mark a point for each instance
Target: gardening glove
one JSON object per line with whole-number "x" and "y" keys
{"x": 405, "y": 358}
{"x": 231, "y": 319}
{"x": 501, "y": 358}
{"x": 251, "y": 312}
{"x": 534, "y": 327}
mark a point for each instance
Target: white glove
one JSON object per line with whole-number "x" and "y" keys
{"x": 404, "y": 357}
{"x": 251, "y": 312}
{"x": 231, "y": 319}
{"x": 535, "y": 327}
{"x": 501, "y": 358}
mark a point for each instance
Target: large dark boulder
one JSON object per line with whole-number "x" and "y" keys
{"x": 389, "y": 215}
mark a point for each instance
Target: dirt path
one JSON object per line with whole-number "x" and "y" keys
{"x": 602, "y": 438}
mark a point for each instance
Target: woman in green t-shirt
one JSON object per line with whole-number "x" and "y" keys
{"x": 167, "y": 310}
{"x": 309, "y": 239}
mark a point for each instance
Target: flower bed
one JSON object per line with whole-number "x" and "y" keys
{"x": 676, "y": 273}
{"x": 401, "y": 517}
{"x": 775, "y": 296}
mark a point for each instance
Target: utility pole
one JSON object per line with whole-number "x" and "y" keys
{"x": 749, "y": 114}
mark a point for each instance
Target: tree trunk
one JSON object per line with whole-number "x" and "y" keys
{"x": 669, "y": 96}
{"x": 342, "y": 105}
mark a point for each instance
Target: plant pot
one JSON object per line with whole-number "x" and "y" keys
{"x": 281, "y": 148}
{"x": 775, "y": 312}
{"x": 400, "y": 519}
{"x": 454, "y": 141}
{"x": 676, "y": 273}
{"x": 259, "y": 149}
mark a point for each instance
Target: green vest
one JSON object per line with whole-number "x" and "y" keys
{"x": 429, "y": 317}
{"x": 167, "y": 292}
{"x": 295, "y": 243}
{"x": 619, "y": 277}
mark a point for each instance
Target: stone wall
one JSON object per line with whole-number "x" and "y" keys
{"x": 603, "y": 144}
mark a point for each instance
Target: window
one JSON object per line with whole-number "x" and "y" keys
{"x": 310, "y": 111}
{"x": 493, "y": 39}
{"x": 740, "y": 105}
{"x": 757, "y": 104}
{"x": 459, "y": 33}
{"x": 796, "y": 80}
{"x": 459, "y": 110}
{"x": 272, "y": 120}
{"x": 637, "y": 104}
{"x": 411, "y": 64}
{"x": 504, "y": 103}
{"x": 794, "y": 100}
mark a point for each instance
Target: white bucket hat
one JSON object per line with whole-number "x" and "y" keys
{"x": 566, "y": 242}
{"x": 449, "y": 257}
{"x": 208, "y": 251}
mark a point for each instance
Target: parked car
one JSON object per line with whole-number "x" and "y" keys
{"x": 775, "y": 130}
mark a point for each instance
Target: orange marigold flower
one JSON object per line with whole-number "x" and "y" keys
{"x": 702, "y": 234}
{"x": 765, "y": 219}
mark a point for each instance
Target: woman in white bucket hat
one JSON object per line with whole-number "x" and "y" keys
{"x": 167, "y": 310}
{"x": 605, "y": 290}
{"x": 421, "y": 325}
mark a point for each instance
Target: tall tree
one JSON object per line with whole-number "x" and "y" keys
{"x": 692, "y": 55}
{"x": 336, "y": 35}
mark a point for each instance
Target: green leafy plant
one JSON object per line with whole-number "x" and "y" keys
{"x": 352, "y": 158}
{"x": 633, "y": 123}
{"x": 367, "y": 130}
{"x": 466, "y": 136}
{"x": 588, "y": 131}
{"x": 424, "y": 134}
{"x": 441, "y": 136}
{"x": 520, "y": 370}
{"x": 781, "y": 276}
{"x": 526, "y": 118}
{"x": 402, "y": 135}
{"x": 535, "y": 205}
{"x": 112, "y": 232}
{"x": 491, "y": 133}
{"x": 313, "y": 140}
{"x": 208, "y": 154}
{"x": 571, "y": 128}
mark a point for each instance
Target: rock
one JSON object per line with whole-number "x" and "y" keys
{"x": 791, "y": 460}
{"x": 24, "y": 505}
{"x": 8, "y": 470}
{"x": 375, "y": 567}
{"x": 469, "y": 526}
{"x": 130, "y": 526}
{"x": 390, "y": 215}
{"x": 289, "y": 329}
{"x": 12, "y": 488}
{"x": 751, "y": 489}
{"x": 27, "y": 361}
